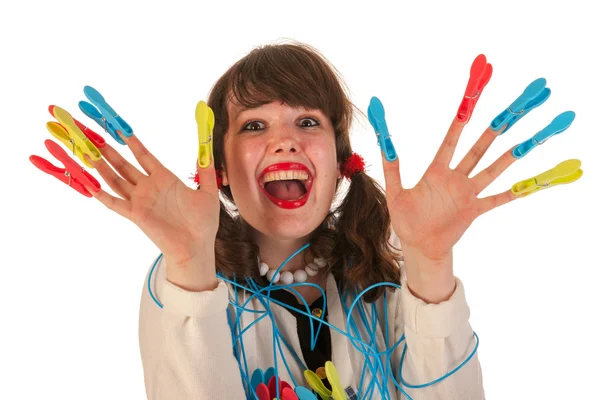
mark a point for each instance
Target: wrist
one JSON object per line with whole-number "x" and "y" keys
{"x": 429, "y": 280}
{"x": 196, "y": 274}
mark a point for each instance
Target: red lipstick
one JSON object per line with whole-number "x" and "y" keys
{"x": 288, "y": 166}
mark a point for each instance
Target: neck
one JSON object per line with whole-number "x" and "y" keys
{"x": 274, "y": 252}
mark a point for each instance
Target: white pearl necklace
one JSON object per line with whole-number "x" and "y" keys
{"x": 287, "y": 277}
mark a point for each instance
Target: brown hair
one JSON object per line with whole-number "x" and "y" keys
{"x": 354, "y": 235}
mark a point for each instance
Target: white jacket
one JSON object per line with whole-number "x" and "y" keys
{"x": 187, "y": 353}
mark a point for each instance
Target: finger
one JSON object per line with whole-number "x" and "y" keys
{"x": 121, "y": 165}
{"x": 205, "y": 163}
{"x": 488, "y": 175}
{"x": 119, "y": 185}
{"x": 389, "y": 155}
{"x": 472, "y": 158}
{"x": 207, "y": 178}
{"x": 391, "y": 173}
{"x": 115, "y": 204}
{"x": 448, "y": 146}
{"x": 489, "y": 203}
{"x": 148, "y": 162}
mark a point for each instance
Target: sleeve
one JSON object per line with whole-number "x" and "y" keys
{"x": 186, "y": 345}
{"x": 438, "y": 338}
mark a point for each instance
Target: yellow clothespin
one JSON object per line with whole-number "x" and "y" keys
{"x": 71, "y": 136}
{"x": 317, "y": 384}
{"x": 205, "y": 118}
{"x": 565, "y": 172}
{"x": 337, "y": 392}
{"x": 334, "y": 379}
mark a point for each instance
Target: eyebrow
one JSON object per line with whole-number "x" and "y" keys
{"x": 244, "y": 108}
{"x": 241, "y": 110}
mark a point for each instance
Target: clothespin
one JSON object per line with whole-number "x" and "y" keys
{"x": 317, "y": 385}
{"x": 93, "y": 113}
{"x": 73, "y": 174}
{"x": 269, "y": 373}
{"x": 481, "y": 72}
{"x": 376, "y": 114}
{"x": 101, "y": 112}
{"x": 337, "y": 391}
{"x": 334, "y": 380}
{"x": 304, "y": 393}
{"x": 566, "y": 172}
{"x": 534, "y": 95}
{"x": 558, "y": 125}
{"x": 264, "y": 384}
{"x": 262, "y": 391}
{"x": 285, "y": 390}
{"x": 72, "y": 137}
{"x": 257, "y": 378}
{"x": 205, "y": 119}
{"x": 96, "y": 139}
{"x": 288, "y": 394}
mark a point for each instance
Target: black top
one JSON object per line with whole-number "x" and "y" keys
{"x": 322, "y": 352}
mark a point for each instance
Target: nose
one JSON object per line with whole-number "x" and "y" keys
{"x": 285, "y": 141}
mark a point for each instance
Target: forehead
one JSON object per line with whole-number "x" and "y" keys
{"x": 235, "y": 109}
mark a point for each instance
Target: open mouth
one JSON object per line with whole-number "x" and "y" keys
{"x": 287, "y": 185}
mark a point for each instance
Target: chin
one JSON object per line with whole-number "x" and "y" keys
{"x": 288, "y": 227}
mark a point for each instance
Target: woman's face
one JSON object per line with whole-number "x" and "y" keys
{"x": 280, "y": 164}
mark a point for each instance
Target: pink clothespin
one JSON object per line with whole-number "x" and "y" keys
{"x": 73, "y": 174}
{"x": 481, "y": 72}
{"x": 262, "y": 391}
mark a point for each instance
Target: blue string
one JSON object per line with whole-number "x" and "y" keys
{"x": 439, "y": 379}
{"x": 367, "y": 361}
{"x": 238, "y": 327}
{"x": 150, "y": 279}
{"x": 369, "y": 350}
{"x": 372, "y": 368}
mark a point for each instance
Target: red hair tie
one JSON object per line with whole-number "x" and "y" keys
{"x": 355, "y": 163}
{"x": 196, "y": 179}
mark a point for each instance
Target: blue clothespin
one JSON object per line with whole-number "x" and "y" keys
{"x": 533, "y": 96}
{"x": 258, "y": 377}
{"x": 104, "y": 114}
{"x": 558, "y": 125}
{"x": 376, "y": 114}
{"x": 93, "y": 113}
{"x": 304, "y": 393}
{"x": 268, "y": 374}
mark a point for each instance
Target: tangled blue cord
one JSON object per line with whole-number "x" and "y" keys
{"x": 370, "y": 350}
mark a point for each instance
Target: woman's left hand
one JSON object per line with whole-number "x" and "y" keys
{"x": 431, "y": 217}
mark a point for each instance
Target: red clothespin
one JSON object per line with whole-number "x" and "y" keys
{"x": 98, "y": 140}
{"x": 481, "y": 72}
{"x": 73, "y": 174}
{"x": 285, "y": 390}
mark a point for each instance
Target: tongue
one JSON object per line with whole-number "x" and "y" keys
{"x": 285, "y": 190}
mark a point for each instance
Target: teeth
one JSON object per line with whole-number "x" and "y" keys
{"x": 285, "y": 175}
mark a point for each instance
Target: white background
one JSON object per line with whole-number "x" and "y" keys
{"x": 73, "y": 272}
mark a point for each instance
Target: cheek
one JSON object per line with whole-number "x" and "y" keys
{"x": 327, "y": 159}
{"x": 242, "y": 160}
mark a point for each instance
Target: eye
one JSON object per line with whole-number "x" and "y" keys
{"x": 253, "y": 126}
{"x": 308, "y": 122}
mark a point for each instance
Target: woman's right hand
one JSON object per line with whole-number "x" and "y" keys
{"x": 182, "y": 222}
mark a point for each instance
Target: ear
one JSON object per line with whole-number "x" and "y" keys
{"x": 339, "y": 172}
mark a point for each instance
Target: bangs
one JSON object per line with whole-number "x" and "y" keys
{"x": 294, "y": 75}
